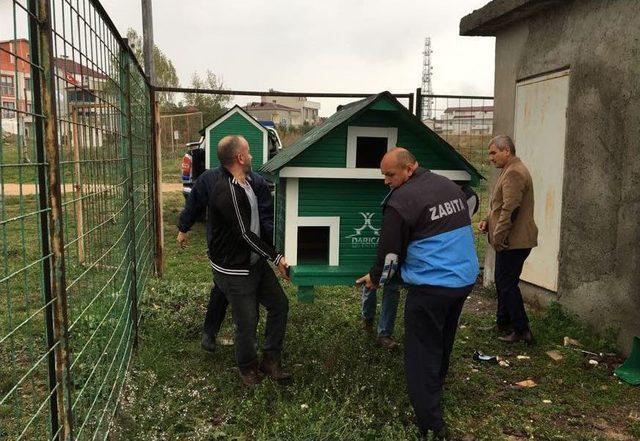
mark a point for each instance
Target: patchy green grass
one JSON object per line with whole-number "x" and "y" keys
{"x": 345, "y": 387}
{"x": 98, "y": 311}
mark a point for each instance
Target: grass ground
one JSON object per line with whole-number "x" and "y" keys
{"x": 345, "y": 387}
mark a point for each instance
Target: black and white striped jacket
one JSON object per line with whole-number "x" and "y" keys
{"x": 232, "y": 242}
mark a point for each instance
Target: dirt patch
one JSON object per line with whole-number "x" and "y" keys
{"x": 13, "y": 189}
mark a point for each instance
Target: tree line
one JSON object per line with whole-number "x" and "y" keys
{"x": 211, "y": 106}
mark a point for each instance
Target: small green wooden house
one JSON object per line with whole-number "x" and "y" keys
{"x": 236, "y": 122}
{"x": 329, "y": 188}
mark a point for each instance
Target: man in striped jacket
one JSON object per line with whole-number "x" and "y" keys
{"x": 238, "y": 257}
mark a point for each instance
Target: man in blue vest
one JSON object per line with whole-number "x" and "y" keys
{"x": 426, "y": 232}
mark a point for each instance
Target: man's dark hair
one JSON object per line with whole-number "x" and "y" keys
{"x": 228, "y": 149}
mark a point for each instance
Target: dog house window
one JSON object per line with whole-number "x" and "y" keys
{"x": 369, "y": 151}
{"x": 313, "y": 245}
{"x": 367, "y": 145}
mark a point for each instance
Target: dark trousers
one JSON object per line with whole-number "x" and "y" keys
{"x": 430, "y": 320}
{"x": 507, "y": 276}
{"x": 244, "y": 293}
{"x": 216, "y": 310}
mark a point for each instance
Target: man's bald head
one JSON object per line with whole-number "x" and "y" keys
{"x": 401, "y": 156}
{"x": 397, "y": 166}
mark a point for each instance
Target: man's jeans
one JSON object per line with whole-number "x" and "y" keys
{"x": 389, "y": 309}
{"x": 244, "y": 293}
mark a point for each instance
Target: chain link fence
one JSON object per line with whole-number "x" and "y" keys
{"x": 465, "y": 122}
{"x": 76, "y": 217}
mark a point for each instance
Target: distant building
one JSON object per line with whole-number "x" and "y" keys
{"x": 473, "y": 120}
{"x": 308, "y": 109}
{"x": 278, "y": 113}
{"x": 15, "y": 84}
{"x": 80, "y": 90}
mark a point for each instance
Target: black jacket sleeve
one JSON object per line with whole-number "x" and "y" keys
{"x": 196, "y": 204}
{"x": 265, "y": 205}
{"x": 394, "y": 237}
{"x": 240, "y": 220}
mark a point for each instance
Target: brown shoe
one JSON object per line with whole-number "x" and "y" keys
{"x": 387, "y": 343}
{"x": 367, "y": 326}
{"x": 515, "y": 337}
{"x": 271, "y": 366}
{"x": 250, "y": 375}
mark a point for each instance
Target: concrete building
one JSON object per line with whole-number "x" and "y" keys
{"x": 79, "y": 94}
{"x": 308, "y": 109}
{"x": 472, "y": 120}
{"x": 15, "y": 86}
{"x": 278, "y": 113}
{"x": 566, "y": 89}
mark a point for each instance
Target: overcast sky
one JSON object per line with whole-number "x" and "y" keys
{"x": 318, "y": 46}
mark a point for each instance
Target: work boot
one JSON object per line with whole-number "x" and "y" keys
{"x": 208, "y": 343}
{"x": 272, "y": 367}
{"x": 367, "y": 326}
{"x": 250, "y": 375}
{"x": 515, "y": 337}
{"x": 441, "y": 435}
{"x": 387, "y": 343}
{"x": 498, "y": 329}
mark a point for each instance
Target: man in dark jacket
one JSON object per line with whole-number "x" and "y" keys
{"x": 195, "y": 208}
{"x": 238, "y": 256}
{"x": 426, "y": 231}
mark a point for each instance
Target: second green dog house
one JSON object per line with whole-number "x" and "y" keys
{"x": 264, "y": 142}
{"x": 329, "y": 188}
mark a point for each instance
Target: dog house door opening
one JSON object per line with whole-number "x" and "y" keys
{"x": 369, "y": 151}
{"x": 313, "y": 245}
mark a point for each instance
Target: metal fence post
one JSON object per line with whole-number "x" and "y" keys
{"x": 55, "y": 222}
{"x": 419, "y": 103}
{"x": 157, "y": 185}
{"x": 37, "y": 82}
{"x": 411, "y": 102}
{"x": 129, "y": 191}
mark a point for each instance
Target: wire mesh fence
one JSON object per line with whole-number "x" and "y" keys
{"x": 76, "y": 217}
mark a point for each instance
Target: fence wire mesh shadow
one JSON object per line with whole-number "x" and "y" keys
{"x": 70, "y": 285}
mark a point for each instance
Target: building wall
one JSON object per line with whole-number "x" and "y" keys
{"x": 600, "y": 235}
{"x": 19, "y": 96}
{"x": 308, "y": 109}
{"x": 234, "y": 125}
{"x": 278, "y": 116}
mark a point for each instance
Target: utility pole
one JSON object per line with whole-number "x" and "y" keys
{"x": 147, "y": 36}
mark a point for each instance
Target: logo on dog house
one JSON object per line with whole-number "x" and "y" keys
{"x": 329, "y": 187}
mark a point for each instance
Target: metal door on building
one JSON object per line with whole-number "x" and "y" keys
{"x": 539, "y": 132}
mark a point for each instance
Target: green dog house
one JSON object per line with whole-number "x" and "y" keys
{"x": 236, "y": 122}
{"x": 329, "y": 188}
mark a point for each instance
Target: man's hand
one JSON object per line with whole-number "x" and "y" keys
{"x": 182, "y": 239}
{"x": 366, "y": 279}
{"x": 482, "y": 226}
{"x": 282, "y": 268}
